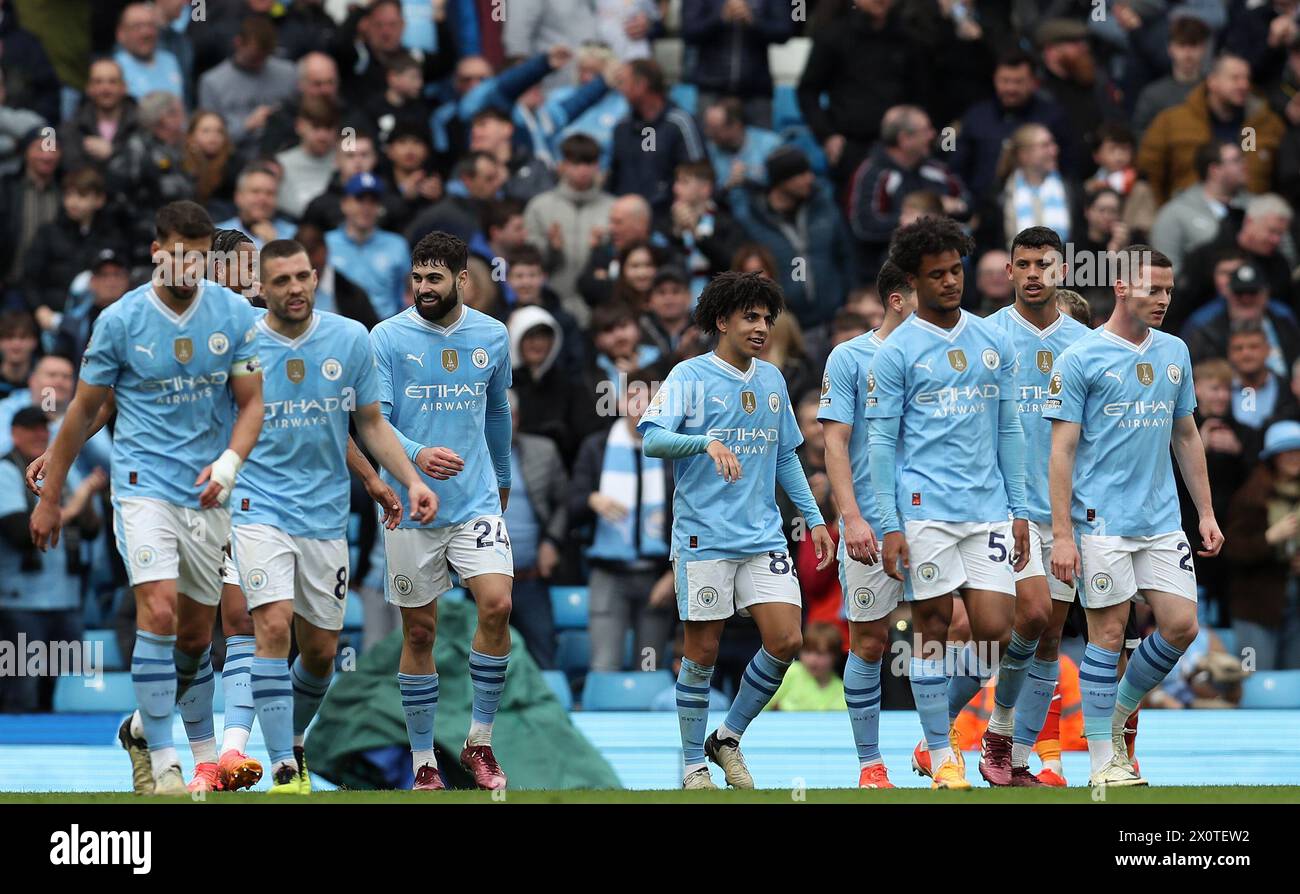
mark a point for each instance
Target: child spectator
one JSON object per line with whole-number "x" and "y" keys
{"x": 811, "y": 683}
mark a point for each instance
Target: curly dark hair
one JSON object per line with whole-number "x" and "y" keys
{"x": 441, "y": 249}
{"x": 730, "y": 292}
{"x": 928, "y": 236}
{"x": 229, "y": 240}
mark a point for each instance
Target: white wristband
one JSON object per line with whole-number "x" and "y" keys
{"x": 224, "y": 471}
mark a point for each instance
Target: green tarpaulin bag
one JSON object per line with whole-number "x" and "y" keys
{"x": 533, "y": 739}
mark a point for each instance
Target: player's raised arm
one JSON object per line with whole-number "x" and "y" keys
{"x": 47, "y": 516}
{"x": 1189, "y": 450}
{"x": 1060, "y": 481}
{"x": 380, "y": 438}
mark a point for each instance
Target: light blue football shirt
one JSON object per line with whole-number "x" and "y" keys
{"x": 749, "y": 412}
{"x": 1036, "y": 351}
{"x": 296, "y": 479}
{"x": 380, "y": 266}
{"x": 435, "y": 386}
{"x": 1125, "y": 398}
{"x": 844, "y": 387}
{"x": 171, "y": 374}
{"x": 945, "y": 384}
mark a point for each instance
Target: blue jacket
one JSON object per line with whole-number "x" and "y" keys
{"x": 986, "y": 126}
{"x": 724, "y": 57}
{"x": 818, "y": 236}
{"x": 650, "y": 173}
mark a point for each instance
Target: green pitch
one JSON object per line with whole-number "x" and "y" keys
{"x": 1240, "y": 794}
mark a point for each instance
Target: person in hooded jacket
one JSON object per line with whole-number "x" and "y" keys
{"x": 551, "y": 402}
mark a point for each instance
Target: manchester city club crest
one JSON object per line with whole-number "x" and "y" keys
{"x": 256, "y": 579}
{"x": 1043, "y": 360}
{"x": 990, "y": 358}
{"x": 144, "y": 556}
{"x": 928, "y": 571}
{"x": 864, "y": 598}
{"x": 1174, "y": 372}
{"x": 218, "y": 343}
{"x": 450, "y": 362}
{"x": 402, "y": 584}
{"x": 957, "y": 359}
{"x": 748, "y": 402}
{"x": 479, "y": 358}
{"x": 707, "y": 597}
{"x": 295, "y": 369}
{"x": 1146, "y": 375}
{"x": 331, "y": 369}
{"x": 1101, "y": 583}
{"x": 183, "y": 349}
{"x": 774, "y": 402}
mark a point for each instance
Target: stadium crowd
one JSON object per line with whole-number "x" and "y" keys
{"x": 600, "y": 178}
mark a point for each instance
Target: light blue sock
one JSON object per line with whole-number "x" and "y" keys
{"x": 1011, "y": 679}
{"x": 1035, "y": 700}
{"x": 195, "y": 686}
{"x": 237, "y": 688}
{"x": 930, "y": 692}
{"x": 488, "y": 674}
{"x": 273, "y": 701}
{"x": 308, "y": 692}
{"x": 1148, "y": 666}
{"x": 758, "y": 684}
{"x": 153, "y": 677}
{"x": 862, "y": 693}
{"x": 966, "y": 674}
{"x": 1097, "y": 682}
{"x": 693, "y": 711}
{"x": 419, "y": 704}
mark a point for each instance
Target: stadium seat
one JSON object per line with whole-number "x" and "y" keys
{"x": 623, "y": 691}
{"x": 112, "y": 655}
{"x": 1271, "y": 689}
{"x": 573, "y": 651}
{"x": 110, "y": 693}
{"x": 570, "y": 605}
{"x": 559, "y": 684}
{"x": 685, "y": 96}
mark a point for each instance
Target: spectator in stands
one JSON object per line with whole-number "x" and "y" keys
{"x": 210, "y": 162}
{"x": 596, "y": 62}
{"x": 40, "y": 593}
{"x": 624, "y": 499}
{"x": 737, "y": 150}
{"x": 309, "y": 166}
{"x": 696, "y": 227}
{"x": 255, "y": 200}
{"x": 1247, "y": 298}
{"x": 1113, "y": 153}
{"x": 534, "y": 26}
{"x": 811, "y": 683}
{"x": 727, "y": 43}
{"x": 629, "y": 223}
{"x": 619, "y": 347}
{"x": 637, "y": 265}
{"x": 68, "y": 245}
{"x": 1260, "y": 239}
{"x": 246, "y": 88}
{"x": 1103, "y": 225}
{"x": 526, "y": 278}
{"x": 28, "y": 200}
{"x": 537, "y": 519}
{"x": 18, "y": 343}
{"x": 1260, "y": 396}
{"x": 1264, "y": 549}
{"x": 377, "y": 260}
{"x": 1034, "y": 194}
{"x": 108, "y": 281}
{"x": 561, "y": 220}
{"x": 317, "y": 78}
{"x": 26, "y": 68}
{"x": 402, "y": 102}
{"x": 355, "y": 154}
{"x": 1216, "y": 110}
{"x": 50, "y": 387}
{"x": 1260, "y": 32}
{"x": 477, "y": 179}
{"x": 146, "y": 67}
{"x": 305, "y": 26}
{"x": 667, "y": 319}
{"x": 409, "y": 177}
{"x": 1206, "y": 676}
{"x": 797, "y": 220}
{"x": 335, "y": 292}
{"x": 899, "y": 165}
{"x": 493, "y": 132}
{"x": 992, "y": 283}
{"x": 1189, "y": 46}
{"x": 104, "y": 120}
{"x": 863, "y": 61}
{"x": 150, "y": 170}
{"x": 371, "y": 37}
{"x": 552, "y": 403}
{"x": 1073, "y": 79}
{"x": 988, "y": 125}
{"x": 785, "y": 349}
{"x": 1193, "y": 217}
{"x": 647, "y": 169}
{"x": 847, "y": 325}
{"x": 1282, "y": 97}
{"x": 177, "y": 42}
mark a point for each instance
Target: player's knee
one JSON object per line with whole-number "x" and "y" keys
{"x": 418, "y": 637}
{"x": 192, "y": 641}
{"x": 1181, "y": 632}
{"x": 1034, "y": 621}
{"x": 869, "y": 646}
{"x": 785, "y": 645}
{"x": 156, "y": 611}
{"x": 235, "y": 622}
{"x": 318, "y": 658}
{"x": 273, "y": 634}
{"x": 494, "y": 609}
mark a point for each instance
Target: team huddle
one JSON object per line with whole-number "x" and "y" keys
{"x": 1012, "y": 461}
